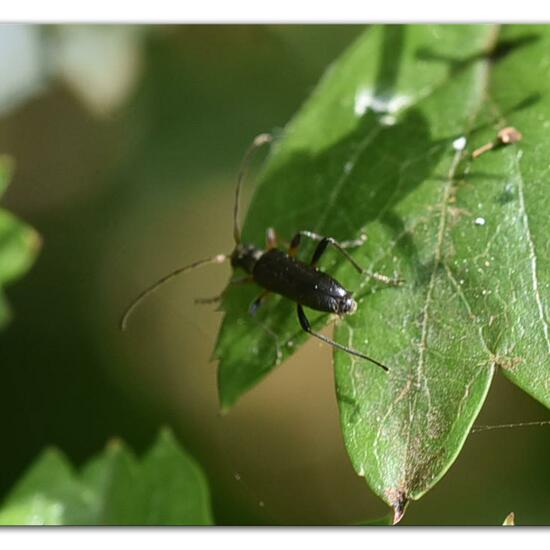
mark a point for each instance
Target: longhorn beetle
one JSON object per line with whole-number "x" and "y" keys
{"x": 281, "y": 272}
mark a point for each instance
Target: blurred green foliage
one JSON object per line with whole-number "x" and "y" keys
{"x": 18, "y": 243}
{"x": 166, "y": 487}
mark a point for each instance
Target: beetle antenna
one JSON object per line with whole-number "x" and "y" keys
{"x": 217, "y": 259}
{"x": 258, "y": 142}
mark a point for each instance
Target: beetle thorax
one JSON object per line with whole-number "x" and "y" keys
{"x": 245, "y": 256}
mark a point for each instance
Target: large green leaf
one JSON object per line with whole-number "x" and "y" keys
{"x": 18, "y": 243}
{"x": 377, "y": 149}
{"x": 165, "y": 488}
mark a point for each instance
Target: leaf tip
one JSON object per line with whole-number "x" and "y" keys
{"x": 398, "y": 501}
{"x": 166, "y": 436}
{"x": 224, "y": 410}
{"x": 166, "y": 431}
{"x": 114, "y": 444}
{"x": 7, "y": 164}
{"x": 226, "y": 402}
{"x": 35, "y": 241}
{"x": 510, "y": 519}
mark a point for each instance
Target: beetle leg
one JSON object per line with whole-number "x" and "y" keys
{"x": 342, "y": 244}
{"x": 255, "y": 305}
{"x": 294, "y": 245}
{"x": 214, "y": 299}
{"x": 211, "y": 300}
{"x": 322, "y": 246}
{"x": 305, "y": 324}
{"x": 271, "y": 238}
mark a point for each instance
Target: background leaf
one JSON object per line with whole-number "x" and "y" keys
{"x": 513, "y": 246}
{"x": 165, "y": 488}
{"x": 378, "y": 149}
{"x": 18, "y": 243}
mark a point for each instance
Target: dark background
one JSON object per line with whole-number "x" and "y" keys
{"x": 123, "y": 195}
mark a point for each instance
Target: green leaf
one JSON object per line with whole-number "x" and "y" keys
{"x": 19, "y": 243}
{"x": 48, "y": 494}
{"x": 377, "y": 150}
{"x": 165, "y": 488}
{"x": 517, "y": 281}
{"x": 176, "y": 487}
{"x": 113, "y": 479}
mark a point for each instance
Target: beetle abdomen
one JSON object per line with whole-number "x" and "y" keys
{"x": 282, "y": 274}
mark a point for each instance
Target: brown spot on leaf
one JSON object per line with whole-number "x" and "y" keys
{"x": 509, "y": 135}
{"x": 505, "y": 136}
{"x": 507, "y": 363}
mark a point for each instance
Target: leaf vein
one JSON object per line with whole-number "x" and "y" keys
{"x": 532, "y": 252}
